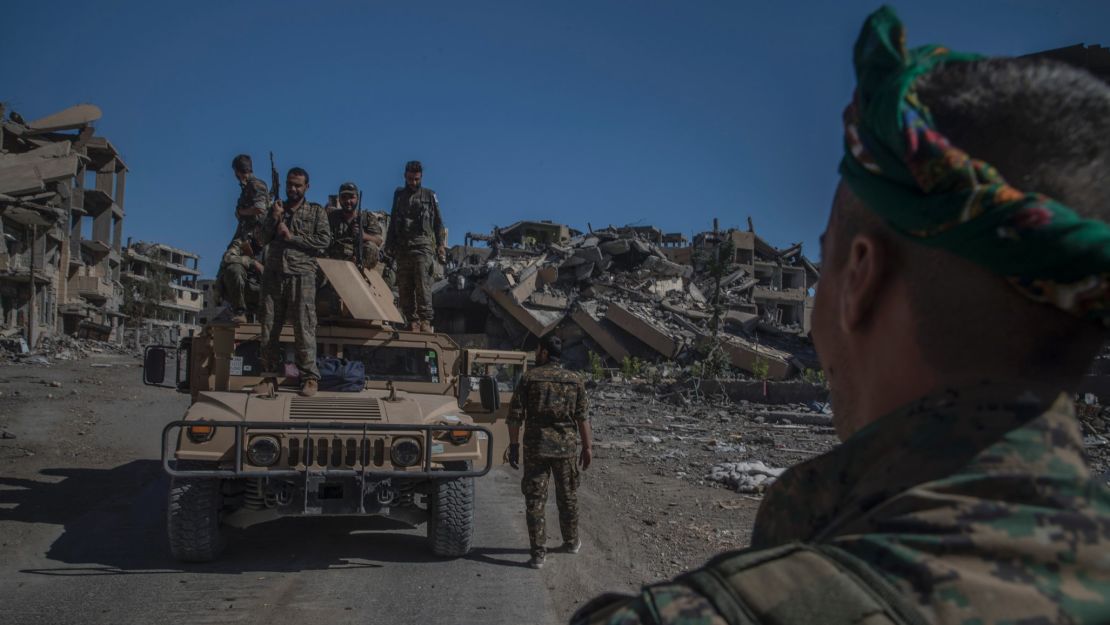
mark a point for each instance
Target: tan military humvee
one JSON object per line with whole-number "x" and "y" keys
{"x": 407, "y": 445}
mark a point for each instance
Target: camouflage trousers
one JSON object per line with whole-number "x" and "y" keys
{"x": 534, "y": 486}
{"x": 294, "y": 297}
{"x": 414, "y": 285}
{"x": 239, "y": 287}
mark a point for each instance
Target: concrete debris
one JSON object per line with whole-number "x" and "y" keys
{"x": 632, "y": 295}
{"x": 745, "y": 477}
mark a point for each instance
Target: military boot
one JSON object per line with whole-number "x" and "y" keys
{"x": 572, "y": 546}
{"x": 414, "y": 326}
{"x": 537, "y": 561}
{"x": 426, "y": 327}
{"x": 310, "y": 387}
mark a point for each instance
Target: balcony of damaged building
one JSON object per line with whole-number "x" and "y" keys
{"x": 57, "y": 180}
{"x": 631, "y": 293}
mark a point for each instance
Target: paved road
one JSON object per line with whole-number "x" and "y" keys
{"x": 82, "y": 531}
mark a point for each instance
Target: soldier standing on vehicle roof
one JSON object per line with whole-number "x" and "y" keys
{"x": 955, "y": 318}
{"x": 346, "y": 231}
{"x": 254, "y": 197}
{"x": 296, "y": 232}
{"x": 551, "y": 402}
{"x": 239, "y": 277}
{"x": 416, "y": 238}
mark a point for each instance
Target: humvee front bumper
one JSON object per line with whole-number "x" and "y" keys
{"x": 330, "y": 449}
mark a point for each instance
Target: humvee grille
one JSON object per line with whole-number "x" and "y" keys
{"x": 332, "y": 451}
{"x": 335, "y": 408}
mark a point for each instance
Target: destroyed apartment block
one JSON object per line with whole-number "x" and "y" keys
{"x": 61, "y": 219}
{"x": 178, "y": 312}
{"x": 627, "y": 292}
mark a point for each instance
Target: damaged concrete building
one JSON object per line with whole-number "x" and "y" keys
{"x": 179, "y": 310}
{"x": 61, "y": 221}
{"x": 630, "y": 292}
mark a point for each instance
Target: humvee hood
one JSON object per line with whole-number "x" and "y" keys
{"x": 366, "y": 406}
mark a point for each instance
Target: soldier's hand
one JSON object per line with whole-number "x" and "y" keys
{"x": 278, "y": 210}
{"x": 585, "y": 457}
{"x": 283, "y": 231}
{"x": 514, "y": 455}
{"x": 258, "y": 266}
{"x": 441, "y": 253}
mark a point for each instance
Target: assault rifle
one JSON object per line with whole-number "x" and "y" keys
{"x": 359, "y": 260}
{"x": 275, "y": 180}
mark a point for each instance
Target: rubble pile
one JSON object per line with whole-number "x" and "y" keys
{"x": 738, "y": 445}
{"x": 14, "y": 350}
{"x": 631, "y": 294}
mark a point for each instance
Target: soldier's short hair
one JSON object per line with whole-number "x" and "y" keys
{"x": 414, "y": 166}
{"x": 242, "y": 164}
{"x": 1064, "y": 116}
{"x": 298, "y": 171}
{"x": 348, "y": 188}
{"x": 553, "y": 345}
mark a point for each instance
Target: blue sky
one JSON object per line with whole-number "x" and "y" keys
{"x": 607, "y": 112}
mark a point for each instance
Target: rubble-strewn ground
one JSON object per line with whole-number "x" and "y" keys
{"x": 82, "y": 502}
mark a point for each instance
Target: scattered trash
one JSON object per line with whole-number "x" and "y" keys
{"x": 745, "y": 477}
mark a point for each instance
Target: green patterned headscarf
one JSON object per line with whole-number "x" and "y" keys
{"x": 908, "y": 173}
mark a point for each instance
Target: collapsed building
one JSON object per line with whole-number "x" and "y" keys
{"x": 631, "y": 293}
{"x": 61, "y": 220}
{"x": 177, "y": 311}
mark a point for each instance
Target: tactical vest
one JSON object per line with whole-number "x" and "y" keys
{"x": 797, "y": 583}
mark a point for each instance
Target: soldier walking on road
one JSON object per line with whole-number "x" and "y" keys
{"x": 254, "y": 197}
{"x": 551, "y": 402}
{"x": 295, "y": 232}
{"x": 965, "y": 293}
{"x": 351, "y": 227}
{"x": 416, "y": 238}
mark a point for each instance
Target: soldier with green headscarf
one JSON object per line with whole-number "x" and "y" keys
{"x": 964, "y": 293}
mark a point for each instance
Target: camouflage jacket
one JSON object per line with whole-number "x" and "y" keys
{"x": 343, "y": 233}
{"x": 550, "y": 401}
{"x": 975, "y": 506}
{"x": 311, "y": 236}
{"x": 254, "y": 198}
{"x": 415, "y": 224}
{"x": 238, "y": 252}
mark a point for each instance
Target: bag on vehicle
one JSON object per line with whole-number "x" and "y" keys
{"x": 337, "y": 374}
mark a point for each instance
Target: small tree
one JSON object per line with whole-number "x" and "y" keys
{"x": 594, "y": 366}
{"x": 761, "y": 368}
{"x": 142, "y": 298}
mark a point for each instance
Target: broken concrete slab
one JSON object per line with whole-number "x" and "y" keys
{"x": 745, "y": 355}
{"x": 593, "y": 328}
{"x": 537, "y": 322}
{"x": 645, "y": 331}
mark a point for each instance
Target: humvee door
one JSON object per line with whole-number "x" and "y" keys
{"x": 506, "y": 368}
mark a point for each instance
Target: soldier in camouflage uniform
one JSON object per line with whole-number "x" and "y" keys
{"x": 551, "y": 402}
{"x": 955, "y": 318}
{"x": 347, "y": 224}
{"x": 239, "y": 278}
{"x": 343, "y": 229}
{"x": 295, "y": 233}
{"x": 416, "y": 238}
{"x": 254, "y": 197}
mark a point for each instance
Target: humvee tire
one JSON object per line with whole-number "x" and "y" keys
{"x": 193, "y": 517}
{"x": 451, "y": 514}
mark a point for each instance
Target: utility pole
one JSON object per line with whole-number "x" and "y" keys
{"x": 31, "y": 287}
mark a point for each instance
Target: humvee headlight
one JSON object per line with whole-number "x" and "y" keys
{"x": 263, "y": 451}
{"x": 200, "y": 433}
{"x": 405, "y": 452}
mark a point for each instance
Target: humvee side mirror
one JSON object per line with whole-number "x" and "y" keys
{"x": 154, "y": 365}
{"x": 464, "y": 390}
{"x": 487, "y": 389}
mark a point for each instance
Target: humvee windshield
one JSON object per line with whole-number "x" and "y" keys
{"x": 408, "y": 364}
